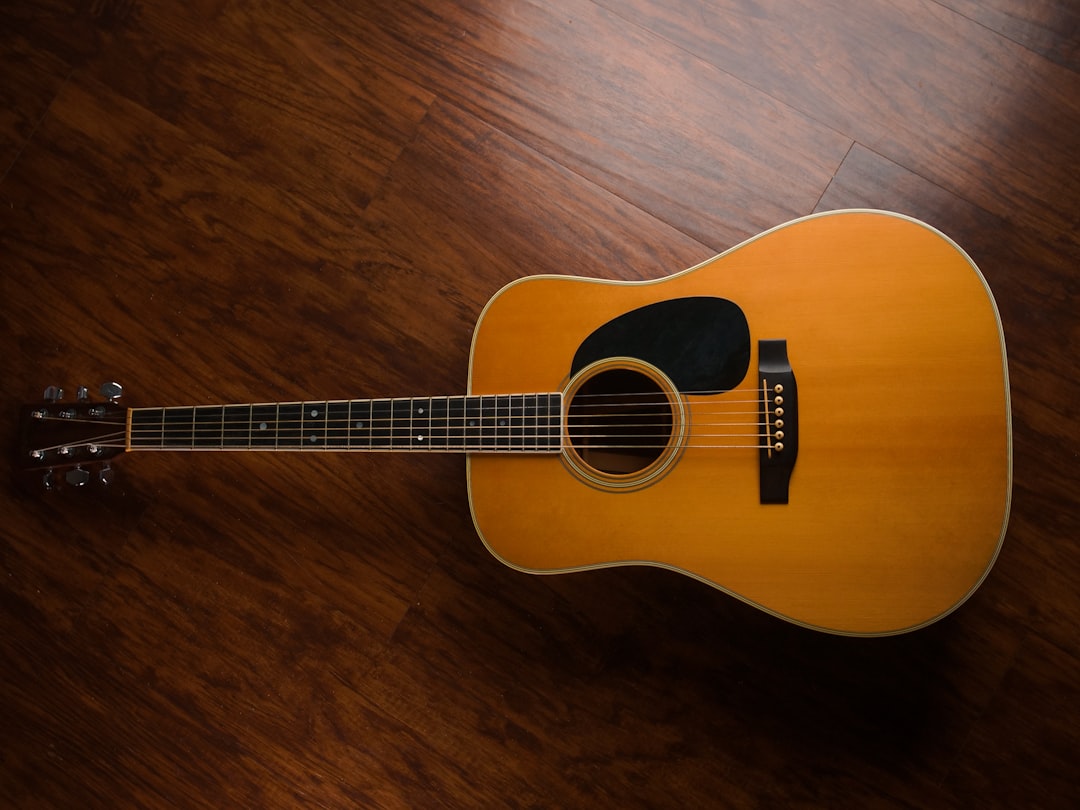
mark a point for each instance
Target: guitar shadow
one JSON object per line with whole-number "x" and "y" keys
{"x": 717, "y": 668}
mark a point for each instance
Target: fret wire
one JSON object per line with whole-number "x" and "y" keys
{"x": 535, "y": 433}
{"x": 480, "y": 424}
{"x": 379, "y": 410}
{"x": 440, "y": 430}
{"x": 422, "y": 436}
{"x": 501, "y": 420}
{"x": 470, "y": 421}
{"x": 517, "y": 421}
{"x": 426, "y": 440}
{"x": 455, "y": 410}
{"x": 335, "y": 424}
{"x": 397, "y": 408}
{"x": 554, "y": 421}
{"x": 489, "y": 432}
{"x": 365, "y": 424}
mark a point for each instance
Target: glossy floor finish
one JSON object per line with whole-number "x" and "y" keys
{"x": 219, "y": 201}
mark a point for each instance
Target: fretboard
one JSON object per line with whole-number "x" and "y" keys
{"x": 523, "y": 423}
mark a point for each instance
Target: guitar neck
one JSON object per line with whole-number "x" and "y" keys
{"x": 522, "y": 423}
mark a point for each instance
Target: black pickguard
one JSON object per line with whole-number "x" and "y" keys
{"x": 701, "y": 343}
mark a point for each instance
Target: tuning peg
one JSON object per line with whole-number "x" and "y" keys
{"x": 111, "y": 391}
{"x": 81, "y": 393}
{"x": 48, "y": 481}
{"x": 106, "y": 474}
{"x": 53, "y": 393}
{"x": 77, "y": 477}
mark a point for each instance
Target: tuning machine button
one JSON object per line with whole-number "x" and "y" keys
{"x": 77, "y": 477}
{"x": 81, "y": 393}
{"x": 53, "y": 393}
{"x": 106, "y": 474}
{"x": 111, "y": 391}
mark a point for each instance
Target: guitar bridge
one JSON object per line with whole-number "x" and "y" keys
{"x": 779, "y": 420}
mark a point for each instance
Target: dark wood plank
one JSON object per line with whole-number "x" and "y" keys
{"x": 491, "y": 231}
{"x": 32, "y": 78}
{"x": 1048, "y": 27}
{"x": 630, "y": 665}
{"x": 271, "y": 91}
{"x": 920, "y": 84}
{"x": 1037, "y": 748}
{"x": 70, "y": 30}
{"x": 611, "y": 101}
{"x": 214, "y": 216}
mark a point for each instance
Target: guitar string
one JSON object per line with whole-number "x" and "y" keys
{"x": 400, "y": 442}
{"x": 591, "y": 430}
{"x": 218, "y": 422}
{"x": 408, "y": 444}
{"x": 399, "y": 424}
{"x": 503, "y": 400}
{"x": 505, "y": 409}
{"x": 299, "y": 419}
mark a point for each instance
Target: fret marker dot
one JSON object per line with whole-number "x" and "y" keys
{"x": 502, "y": 423}
{"x": 419, "y": 410}
{"x": 313, "y": 438}
{"x": 419, "y": 438}
{"x": 314, "y": 411}
{"x": 262, "y": 426}
{"x": 359, "y": 425}
{"x": 472, "y": 423}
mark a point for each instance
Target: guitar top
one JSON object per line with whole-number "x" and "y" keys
{"x": 898, "y": 499}
{"x": 816, "y": 421}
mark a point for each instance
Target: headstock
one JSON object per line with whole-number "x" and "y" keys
{"x": 70, "y": 443}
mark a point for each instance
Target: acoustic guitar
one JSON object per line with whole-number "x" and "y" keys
{"x": 816, "y": 422}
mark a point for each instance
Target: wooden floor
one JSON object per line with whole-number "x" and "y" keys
{"x": 232, "y": 200}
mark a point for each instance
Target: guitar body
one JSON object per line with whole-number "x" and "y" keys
{"x": 899, "y": 497}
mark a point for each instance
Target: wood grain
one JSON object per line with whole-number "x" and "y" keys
{"x": 32, "y": 80}
{"x": 216, "y": 201}
{"x": 1048, "y": 27}
{"x": 613, "y": 102}
{"x": 915, "y": 82}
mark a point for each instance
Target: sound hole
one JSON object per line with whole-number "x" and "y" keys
{"x": 619, "y": 421}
